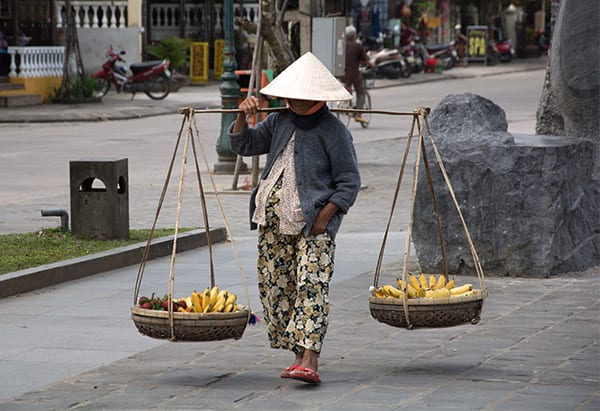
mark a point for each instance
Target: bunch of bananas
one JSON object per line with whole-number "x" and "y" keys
{"x": 212, "y": 300}
{"x": 422, "y": 287}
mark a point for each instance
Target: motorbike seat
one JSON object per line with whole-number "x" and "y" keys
{"x": 146, "y": 65}
{"x": 436, "y": 47}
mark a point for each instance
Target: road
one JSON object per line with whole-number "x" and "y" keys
{"x": 35, "y": 157}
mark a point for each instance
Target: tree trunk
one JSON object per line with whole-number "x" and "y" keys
{"x": 273, "y": 34}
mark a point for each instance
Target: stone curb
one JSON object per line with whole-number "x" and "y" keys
{"x": 50, "y": 274}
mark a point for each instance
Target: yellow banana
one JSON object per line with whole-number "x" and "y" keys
{"x": 196, "y": 303}
{"x": 401, "y": 284}
{"x": 413, "y": 281}
{"x": 432, "y": 282}
{"x": 379, "y": 293}
{"x": 411, "y": 291}
{"x": 219, "y": 304}
{"x": 231, "y": 298}
{"x": 461, "y": 290}
{"x": 439, "y": 293}
{"x": 214, "y": 293}
{"x": 423, "y": 281}
{"x": 188, "y": 302}
{"x": 392, "y": 291}
{"x": 228, "y": 308}
{"x": 465, "y": 294}
{"x": 441, "y": 282}
{"x": 450, "y": 284}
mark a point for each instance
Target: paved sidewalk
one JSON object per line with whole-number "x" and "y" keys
{"x": 73, "y": 346}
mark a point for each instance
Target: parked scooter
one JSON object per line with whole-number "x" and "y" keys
{"x": 389, "y": 63}
{"x": 150, "y": 77}
{"x": 445, "y": 53}
{"x": 500, "y": 50}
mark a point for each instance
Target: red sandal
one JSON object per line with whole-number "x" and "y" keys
{"x": 305, "y": 375}
{"x": 285, "y": 373}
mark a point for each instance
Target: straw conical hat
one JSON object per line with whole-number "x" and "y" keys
{"x": 307, "y": 79}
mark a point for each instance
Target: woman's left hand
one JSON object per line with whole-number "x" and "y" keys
{"x": 320, "y": 224}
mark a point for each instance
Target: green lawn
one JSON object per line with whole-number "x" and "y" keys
{"x": 21, "y": 251}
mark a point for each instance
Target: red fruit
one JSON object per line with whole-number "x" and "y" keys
{"x": 182, "y": 303}
{"x": 165, "y": 305}
{"x": 147, "y": 305}
{"x": 143, "y": 300}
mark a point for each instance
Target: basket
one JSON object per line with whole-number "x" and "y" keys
{"x": 428, "y": 312}
{"x": 190, "y": 326}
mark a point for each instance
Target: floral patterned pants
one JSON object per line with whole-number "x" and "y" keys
{"x": 293, "y": 281}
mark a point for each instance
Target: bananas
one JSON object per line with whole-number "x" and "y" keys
{"x": 423, "y": 286}
{"x": 213, "y": 300}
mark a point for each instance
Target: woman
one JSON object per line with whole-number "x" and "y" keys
{"x": 310, "y": 180}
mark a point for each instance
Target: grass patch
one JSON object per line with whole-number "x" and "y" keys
{"x": 50, "y": 245}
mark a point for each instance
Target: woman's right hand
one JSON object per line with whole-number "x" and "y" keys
{"x": 249, "y": 107}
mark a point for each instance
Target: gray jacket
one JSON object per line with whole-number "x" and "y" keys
{"x": 325, "y": 161}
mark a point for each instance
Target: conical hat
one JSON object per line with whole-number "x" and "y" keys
{"x": 307, "y": 79}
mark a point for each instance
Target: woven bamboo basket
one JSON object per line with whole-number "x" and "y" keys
{"x": 428, "y": 312}
{"x": 178, "y": 326}
{"x": 190, "y": 326}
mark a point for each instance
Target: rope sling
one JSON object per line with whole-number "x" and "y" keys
{"x": 398, "y": 312}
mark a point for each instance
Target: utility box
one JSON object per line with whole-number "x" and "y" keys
{"x": 329, "y": 43}
{"x": 99, "y": 199}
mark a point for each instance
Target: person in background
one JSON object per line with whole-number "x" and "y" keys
{"x": 309, "y": 182}
{"x": 355, "y": 56}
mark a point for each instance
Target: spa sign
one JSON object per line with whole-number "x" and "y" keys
{"x": 477, "y": 43}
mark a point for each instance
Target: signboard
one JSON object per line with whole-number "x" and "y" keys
{"x": 219, "y": 57}
{"x": 199, "y": 62}
{"x": 477, "y": 37}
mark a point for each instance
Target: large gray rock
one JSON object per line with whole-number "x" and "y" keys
{"x": 570, "y": 104}
{"x": 530, "y": 202}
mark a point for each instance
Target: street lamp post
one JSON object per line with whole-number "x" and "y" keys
{"x": 230, "y": 92}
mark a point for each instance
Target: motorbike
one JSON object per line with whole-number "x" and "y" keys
{"x": 500, "y": 50}
{"x": 445, "y": 53}
{"x": 389, "y": 63}
{"x": 413, "y": 57}
{"x": 150, "y": 77}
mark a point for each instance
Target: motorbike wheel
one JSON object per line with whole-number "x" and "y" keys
{"x": 506, "y": 58}
{"x": 101, "y": 87}
{"x": 406, "y": 70}
{"x": 159, "y": 88}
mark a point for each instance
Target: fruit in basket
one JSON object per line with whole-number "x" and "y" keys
{"x": 461, "y": 290}
{"x": 427, "y": 286}
{"x": 441, "y": 282}
{"x": 439, "y": 293}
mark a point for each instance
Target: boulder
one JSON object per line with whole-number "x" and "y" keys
{"x": 530, "y": 202}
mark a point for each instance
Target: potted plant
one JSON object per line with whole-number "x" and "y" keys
{"x": 176, "y": 50}
{"x": 80, "y": 90}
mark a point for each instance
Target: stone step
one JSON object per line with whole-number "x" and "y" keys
{"x": 20, "y": 100}
{"x": 6, "y": 85}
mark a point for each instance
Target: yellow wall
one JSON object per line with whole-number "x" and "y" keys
{"x": 44, "y": 86}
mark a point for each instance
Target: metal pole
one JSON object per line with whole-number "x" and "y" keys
{"x": 230, "y": 92}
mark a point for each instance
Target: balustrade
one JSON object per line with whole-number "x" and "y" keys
{"x": 32, "y": 62}
{"x": 94, "y": 13}
{"x": 165, "y": 17}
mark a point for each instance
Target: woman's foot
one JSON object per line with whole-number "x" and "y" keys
{"x": 306, "y": 371}
{"x": 285, "y": 373}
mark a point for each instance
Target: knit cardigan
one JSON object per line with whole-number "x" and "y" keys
{"x": 324, "y": 158}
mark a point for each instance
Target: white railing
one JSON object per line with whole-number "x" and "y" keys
{"x": 94, "y": 13}
{"x": 31, "y": 62}
{"x": 164, "y": 18}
